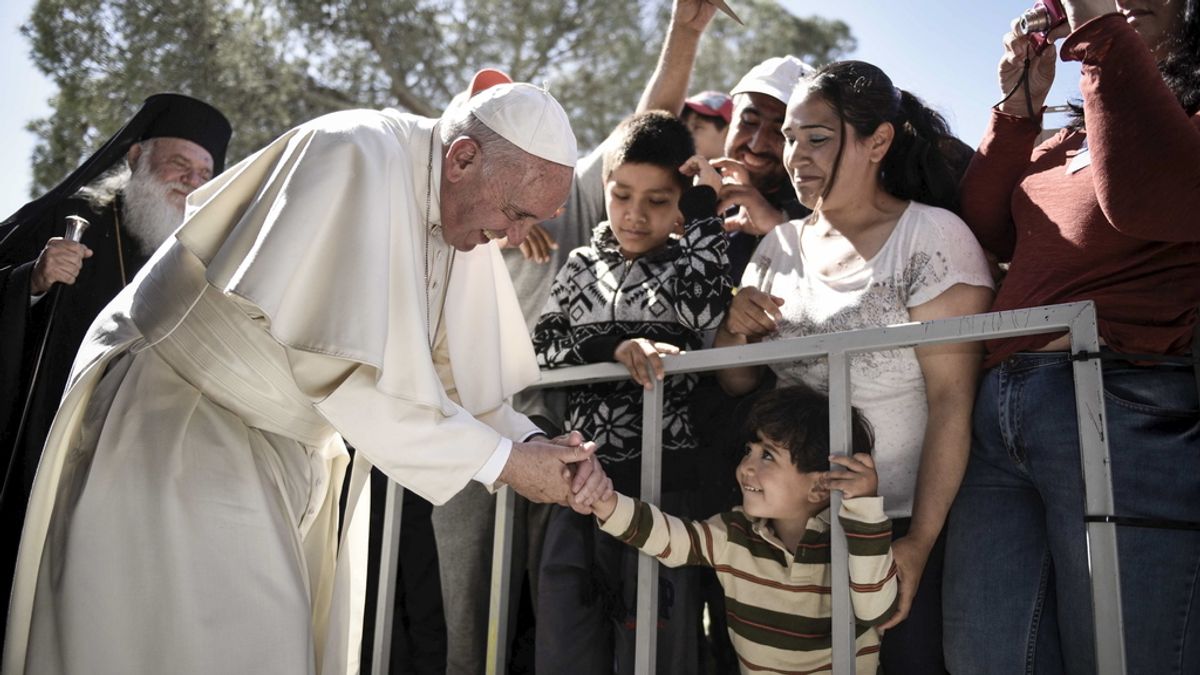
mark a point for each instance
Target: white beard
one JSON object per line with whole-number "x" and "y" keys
{"x": 149, "y": 216}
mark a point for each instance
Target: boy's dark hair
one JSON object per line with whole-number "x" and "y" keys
{"x": 798, "y": 417}
{"x": 653, "y": 137}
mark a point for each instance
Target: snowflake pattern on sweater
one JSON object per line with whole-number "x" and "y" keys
{"x": 600, "y": 299}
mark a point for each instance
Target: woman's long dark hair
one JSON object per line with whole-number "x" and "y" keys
{"x": 1180, "y": 70}
{"x": 923, "y": 163}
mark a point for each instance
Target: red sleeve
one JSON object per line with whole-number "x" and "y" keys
{"x": 992, "y": 177}
{"x": 1145, "y": 150}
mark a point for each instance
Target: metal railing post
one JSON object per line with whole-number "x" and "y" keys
{"x": 501, "y": 593}
{"x": 646, "y": 640}
{"x": 389, "y": 564}
{"x": 1098, "y": 493}
{"x": 840, "y": 441}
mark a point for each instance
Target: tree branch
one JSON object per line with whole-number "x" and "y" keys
{"x": 323, "y": 96}
{"x": 388, "y": 60}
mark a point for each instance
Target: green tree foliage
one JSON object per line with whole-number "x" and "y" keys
{"x": 728, "y": 50}
{"x": 270, "y": 64}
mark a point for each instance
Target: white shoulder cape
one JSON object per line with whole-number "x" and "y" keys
{"x": 323, "y": 231}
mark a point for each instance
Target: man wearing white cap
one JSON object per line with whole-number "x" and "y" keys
{"x": 753, "y": 160}
{"x": 756, "y": 182}
{"x": 336, "y": 284}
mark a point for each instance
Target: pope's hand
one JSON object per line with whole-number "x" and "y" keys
{"x": 543, "y": 471}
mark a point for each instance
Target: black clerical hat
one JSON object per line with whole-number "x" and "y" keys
{"x": 161, "y": 115}
{"x": 179, "y": 116}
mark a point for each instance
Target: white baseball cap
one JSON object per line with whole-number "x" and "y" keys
{"x": 524, "y": 115}
{"x": 776, "y": 77}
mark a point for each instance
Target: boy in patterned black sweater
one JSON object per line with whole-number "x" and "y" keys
{"x": 655, "y": 277}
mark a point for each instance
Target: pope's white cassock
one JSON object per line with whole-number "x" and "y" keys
{"x": 185, "y": 515}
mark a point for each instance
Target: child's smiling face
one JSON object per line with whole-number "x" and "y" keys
{"x": 772, "y": 486}
{"x": 643, "y": 206}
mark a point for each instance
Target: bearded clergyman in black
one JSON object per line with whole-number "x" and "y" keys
{"x": 132, "y": 192}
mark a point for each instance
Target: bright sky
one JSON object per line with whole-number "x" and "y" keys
{"x": 26, "y": 94}
{"x": 945, "y": 51}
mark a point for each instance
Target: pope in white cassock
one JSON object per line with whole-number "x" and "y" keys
{"x": 336, "y": 284}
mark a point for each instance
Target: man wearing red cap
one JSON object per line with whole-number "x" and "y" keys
{"x": 132, "y": 194}
{"x": 337, "y": 284}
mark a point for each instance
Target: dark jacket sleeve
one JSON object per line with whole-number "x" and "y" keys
{"x": 18, "y": 254}
{"x": 552, "y": 339}
{"x": 701, "y": 285}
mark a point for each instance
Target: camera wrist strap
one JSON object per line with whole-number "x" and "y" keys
{"x": 1023, "y": 82}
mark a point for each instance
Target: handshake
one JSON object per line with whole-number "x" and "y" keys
{"x": 562, "y": 470}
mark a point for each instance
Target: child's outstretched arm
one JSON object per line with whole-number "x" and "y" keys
{"x": 674, "y": 541}
{"x": 593, "y": 493}
{"x": 604, "y": 506}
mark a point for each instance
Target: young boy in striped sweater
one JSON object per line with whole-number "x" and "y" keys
{"x": 772, "y": 554}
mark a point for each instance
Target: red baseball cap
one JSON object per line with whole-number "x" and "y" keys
{"x": 712, "y": 104}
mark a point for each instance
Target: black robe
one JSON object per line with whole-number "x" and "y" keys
{"x": 21, "y": 329}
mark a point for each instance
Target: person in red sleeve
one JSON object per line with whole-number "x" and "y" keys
{"x": 1106, "y": 210}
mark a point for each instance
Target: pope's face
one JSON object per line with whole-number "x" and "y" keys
{"x": 477, "y": 208}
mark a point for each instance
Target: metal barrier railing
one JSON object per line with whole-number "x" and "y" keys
{"x": 1078, "y": 319}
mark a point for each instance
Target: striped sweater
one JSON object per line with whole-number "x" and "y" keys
{"x": 778, "y": 603}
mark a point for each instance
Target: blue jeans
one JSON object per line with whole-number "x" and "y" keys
{"x": 1017, "y": 597}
